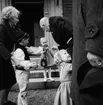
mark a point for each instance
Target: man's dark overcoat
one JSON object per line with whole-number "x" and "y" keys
{"x": 61, "y": 29}
{"x": 7, "y": 39}
{"x": 87, "y": 88}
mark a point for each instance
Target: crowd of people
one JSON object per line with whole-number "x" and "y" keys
{"x": 14, "y": 50}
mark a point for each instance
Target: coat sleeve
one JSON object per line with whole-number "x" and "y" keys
{"x": 4, "y": 53}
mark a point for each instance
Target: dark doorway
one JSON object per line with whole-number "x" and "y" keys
{"x": 31, "y": 12}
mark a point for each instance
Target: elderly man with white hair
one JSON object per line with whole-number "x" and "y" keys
{"x": 61, "y": 30}
{"x": 9, "y": 19}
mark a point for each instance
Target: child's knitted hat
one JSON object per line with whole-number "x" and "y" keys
{"x": 21, "y": 35}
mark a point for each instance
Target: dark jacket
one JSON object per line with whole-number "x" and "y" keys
{"x": 61, "y": 30}
{"x": 7, "y": 39}
{"x": 87, "y": 81}
{"x": 90, "y": 82}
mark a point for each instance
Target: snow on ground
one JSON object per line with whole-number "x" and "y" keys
{"x": 37, "y": 97}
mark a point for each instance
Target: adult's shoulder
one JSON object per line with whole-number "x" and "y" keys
{"x": 2, "y": 27}
{"x": 53, "y": 20}
{"x": 56, "y": 19}
{"x": 59, "y": 21}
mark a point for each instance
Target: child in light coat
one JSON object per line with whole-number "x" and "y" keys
{"x": 63, "y": 60}
{"x": 22, "y": 72}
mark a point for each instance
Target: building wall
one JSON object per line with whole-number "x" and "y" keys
{"x": 67, "y": 9}
{"x": 52, "y": 8}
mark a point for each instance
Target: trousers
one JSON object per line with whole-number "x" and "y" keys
{"x": 22, "y": 78}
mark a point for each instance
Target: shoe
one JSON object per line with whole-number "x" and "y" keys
{"x": 10, "y": 103}
{"x": 51, "y": 79}
{"x": 45, "y": 79}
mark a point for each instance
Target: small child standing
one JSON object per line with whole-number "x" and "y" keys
{"x": 22, "y": 72}
{"x": 63, "y": 60}
{"x": 45, "y": 54}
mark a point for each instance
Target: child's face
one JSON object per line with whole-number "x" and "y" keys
{"x": 44, "y": 43}
{"x": 65, "y": 56}
{"x": 45, "y": 28}
{"x": 25, "y": 42}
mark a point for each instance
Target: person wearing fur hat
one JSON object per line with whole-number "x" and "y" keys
{"x": 9, "y": 19}
{"x": 61, "y": 30}
{"x": 22, "y": 72}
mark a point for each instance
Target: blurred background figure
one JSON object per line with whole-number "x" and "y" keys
{"x": 9, "y": 19}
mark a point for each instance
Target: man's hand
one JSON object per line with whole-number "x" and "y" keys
{"x": 95, "y": 60}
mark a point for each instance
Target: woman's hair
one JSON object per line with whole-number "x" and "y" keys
{"x": 44, "y": 21}
{"x": 9, "y": 12}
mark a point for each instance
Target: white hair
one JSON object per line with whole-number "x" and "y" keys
{"x": 43, "y": 39}
{"x": 9, "y": 12}
{"x": 58, "y": 56}
{"x": 44, "y": 21}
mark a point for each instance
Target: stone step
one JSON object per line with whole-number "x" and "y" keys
{"x": 40, "y": 73}
{"x": 39, "y": 84}
{"x": 42, "y": 79}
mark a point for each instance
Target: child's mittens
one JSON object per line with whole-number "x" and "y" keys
{"x": 30, "y": 49}
{"x": 25, "y": 64}
{"x": 34, "y": 65}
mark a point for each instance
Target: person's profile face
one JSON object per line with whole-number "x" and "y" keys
{"x": 25, "y": 42}
{"x": 15, "y": 19}
{"x": 65, "y": 56}
{"x": 45, "y": 28}
{"x": 44, "y": 43}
